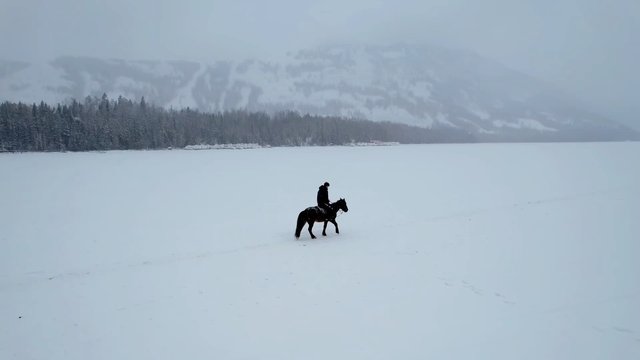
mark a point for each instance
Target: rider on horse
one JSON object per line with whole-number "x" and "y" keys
{"x": 323, "y": 197}
{"x": 324, "y": 212}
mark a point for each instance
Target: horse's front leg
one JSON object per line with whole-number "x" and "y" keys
{"x": 310, "y": 227}
{"x": 324, "y": 229}
{"x": 334, "y": 223}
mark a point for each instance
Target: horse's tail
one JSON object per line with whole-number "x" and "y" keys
{"x": 300, "y": 224}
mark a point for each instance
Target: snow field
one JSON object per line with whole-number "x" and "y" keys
{"x": 493, "y": 251}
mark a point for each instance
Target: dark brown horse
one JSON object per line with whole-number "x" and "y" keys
{"x": 314, "y": 214}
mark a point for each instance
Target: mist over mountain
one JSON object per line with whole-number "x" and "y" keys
{"x": 431, "y": 87}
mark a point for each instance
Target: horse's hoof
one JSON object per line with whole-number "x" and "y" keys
{"x": 324, "y": 234}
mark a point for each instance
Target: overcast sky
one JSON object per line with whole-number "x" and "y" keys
{"x": 589, "y": 48}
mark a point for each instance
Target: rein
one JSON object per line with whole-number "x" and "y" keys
{"x": 338, "y": 210}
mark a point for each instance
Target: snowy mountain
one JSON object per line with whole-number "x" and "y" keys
{"x": 425, "y": 86}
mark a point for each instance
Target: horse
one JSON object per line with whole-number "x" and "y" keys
{"x": 314, "y": 214}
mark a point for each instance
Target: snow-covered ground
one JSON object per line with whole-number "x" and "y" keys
{"x": 496, "y": 251}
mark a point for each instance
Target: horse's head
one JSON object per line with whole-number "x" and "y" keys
{"x": 342, "y": 205}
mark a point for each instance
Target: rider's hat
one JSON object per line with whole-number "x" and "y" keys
{"x": 326, "y": 183}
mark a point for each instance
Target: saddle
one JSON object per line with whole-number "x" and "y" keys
{"x": 322, "y": 211}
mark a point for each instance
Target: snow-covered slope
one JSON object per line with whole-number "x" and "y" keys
{"x": 525, "y": 251}
{"x": 424, "y": 86}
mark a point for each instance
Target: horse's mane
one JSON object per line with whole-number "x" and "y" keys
{"x": 336, "y": 205}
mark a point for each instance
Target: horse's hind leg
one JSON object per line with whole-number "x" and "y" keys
{"x": 324, "y": 229}
{"x": 334, "y": 223}
{"x": 310, "y": 227}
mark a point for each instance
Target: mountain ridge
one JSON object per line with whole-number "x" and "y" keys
{"x": 431, "y": 87}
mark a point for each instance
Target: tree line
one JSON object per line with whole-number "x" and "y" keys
{"x": 100, "y": 123}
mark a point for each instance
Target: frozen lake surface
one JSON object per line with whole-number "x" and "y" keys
{"x": 484, "y": 251}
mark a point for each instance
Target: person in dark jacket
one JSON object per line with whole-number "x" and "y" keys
{"x": 323, "y": 196}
